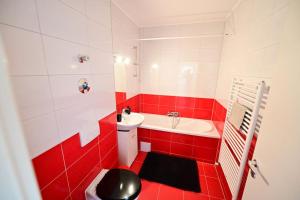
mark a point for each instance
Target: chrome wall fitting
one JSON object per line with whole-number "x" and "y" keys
{"x": 83, "y": 58}
{"x": 83, "y": 86}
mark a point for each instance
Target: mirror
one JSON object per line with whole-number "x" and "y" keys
{"x": 120, "y": 80}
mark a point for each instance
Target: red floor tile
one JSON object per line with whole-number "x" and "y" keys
{"x": 141, "y": 156}
{"x": 214, "y": 198}
{"x": 149, "y": 190}
{"x": 203, "y": 185}
{"x": 194, "y": 196}
{"x": 214, "y": 187}
{"x": 166, "y": 192}
{"x": 210, "y": 170}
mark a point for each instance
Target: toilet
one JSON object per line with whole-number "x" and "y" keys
{"x": 114, "y": 184}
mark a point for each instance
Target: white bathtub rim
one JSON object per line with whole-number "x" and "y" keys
{"x": 210, "y": 134}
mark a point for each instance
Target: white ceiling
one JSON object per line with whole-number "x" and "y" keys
{"x": 168, "y": 12}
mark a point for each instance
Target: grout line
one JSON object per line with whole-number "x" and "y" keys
{"x": 106, "y": 155}
{"x": 68, "y": 182}
{"x": 158, "y": 191}
{"x": 84, "y": 178}
{"x": 61, "y": 173}
{"x": 42, "y": 34}
{"x": 82, "y": 156}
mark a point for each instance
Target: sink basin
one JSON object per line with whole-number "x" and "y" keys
{"x": 131, "y": 121}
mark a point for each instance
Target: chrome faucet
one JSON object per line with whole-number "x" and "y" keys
{"x": 175, "y": 118}
{"x": 173, "y": 114}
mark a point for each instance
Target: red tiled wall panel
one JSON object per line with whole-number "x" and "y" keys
{"x": 120, "y": 97}
{"x": 66, "y": 170}
{"x": 133, "y": 103}
{"x": 199, "y": 148}
{"x": 200, "y": 108}
{"x": 218, "y": 116}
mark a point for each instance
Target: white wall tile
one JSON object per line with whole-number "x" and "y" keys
{"x": 76, "y": 4}
{"x": 101, "y": 62}
{"x": 99, "y": 11}
{"x": 59, "y": 20}
{"x": 187, "y": 67}
{"x": 99, "y": 36}
{"x": 41, "y": 134}
{"x": 32, "y": 95}
{"x": 65, "y": 90}
{"x": 21, "y": 13}
{"x": 24, "y": 51}
{"x": 62, "y": 57}
{"x": 103, "y": 95}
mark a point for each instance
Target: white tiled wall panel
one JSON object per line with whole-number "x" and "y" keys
{"x": 43, "y": 39}
{"x": 99, "y": 11}
{"x": 20, "y": 13}
{"x": 24, "y": 50}
{"x": 76, "y": 4}
{"x": 100, "y": 61}
{"x": 59, "y": 20}
{"x": 185, "y": 67}
{"x": 65, "y": 90}
{"x": 251, "y": 47}
{"x": 210, "y": 28}
{"x": 41, "y": 133}
{"x": 62, "y": 57}
{"x": 33, "y": 96}
{"x": 99, "y": 36}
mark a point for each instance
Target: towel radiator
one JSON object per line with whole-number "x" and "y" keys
{"x": 235, "y": 142}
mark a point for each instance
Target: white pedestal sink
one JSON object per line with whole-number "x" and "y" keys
{"x": 127, "y": 137}
{"x": 131, "y": 121}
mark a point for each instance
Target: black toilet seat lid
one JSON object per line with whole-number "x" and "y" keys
{"x": 119, "y": 184}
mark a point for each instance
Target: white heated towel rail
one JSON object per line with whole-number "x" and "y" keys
{"x": 236, "y": 143}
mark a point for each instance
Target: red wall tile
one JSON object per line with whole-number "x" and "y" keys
{"x": 111, "y": 160}
{"x": 150, "y": 99}
{"x": 167, "y": 100}
{"x": 49, "y": 165}
{"x": 120, "y": 97}
{"x": 218, "y": 116}
{"x": 200, "y": 148}
{"x": 188, "y": 102}
{"x": 107, "y": 144}
{"x": 160, "y": 135}
{"x": 160, "y": 146}
{"x": 204, "y": 154}
{"x": 78, "y": 171}
{"x": 206, "y": 142}
{"x": 72, "y": 149}
{"x": 58, "y": 189}
{"x": 143, "y": 133}
{"x": 200, "y": 108}
{"x": 182, "y": 149}
{"x": 181, "y": 138}
{"x": 202, "y": 114}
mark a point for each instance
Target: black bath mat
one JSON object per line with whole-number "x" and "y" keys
{"x": 178, "y": 172}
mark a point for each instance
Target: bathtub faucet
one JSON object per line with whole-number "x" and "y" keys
{"x": 173, "y": 114}
{"x": 175, "y": 118}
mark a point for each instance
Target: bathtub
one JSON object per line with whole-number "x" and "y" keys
{"x": 188, "y": 126}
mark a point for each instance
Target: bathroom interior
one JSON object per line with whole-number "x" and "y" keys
{"x": 149, "y": 100}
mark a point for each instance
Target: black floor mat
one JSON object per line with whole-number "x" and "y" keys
{"x": 178, "y": 172}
